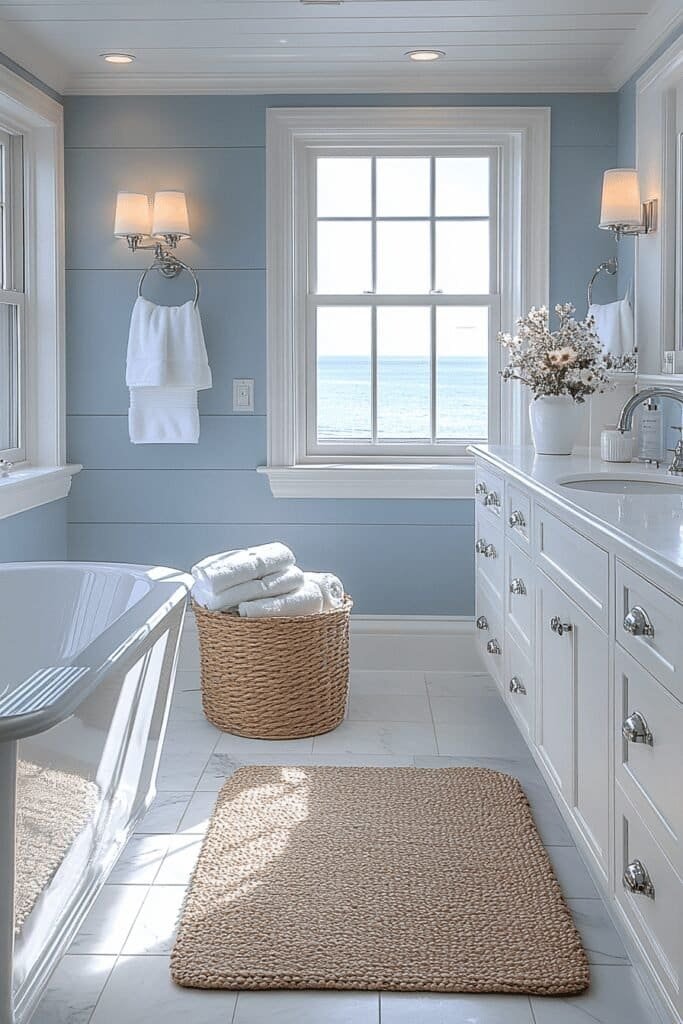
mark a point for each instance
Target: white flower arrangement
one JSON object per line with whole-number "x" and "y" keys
{"x": 568, "y": 361}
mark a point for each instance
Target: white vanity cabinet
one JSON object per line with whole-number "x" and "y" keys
{"x": 585, "y": 640}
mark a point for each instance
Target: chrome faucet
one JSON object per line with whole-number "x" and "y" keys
{"x": 626, "y": 418}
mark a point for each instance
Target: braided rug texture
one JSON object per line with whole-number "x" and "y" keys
{"x": 393, "y": 879}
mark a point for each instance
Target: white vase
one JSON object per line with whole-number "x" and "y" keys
{"x": 555, "y": 422}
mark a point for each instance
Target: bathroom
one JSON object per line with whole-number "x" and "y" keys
{"x": 222, "y": 105}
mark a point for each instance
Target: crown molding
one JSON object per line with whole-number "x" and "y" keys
{"x": 32, "y": 57}
{"x": 654, "y": 29}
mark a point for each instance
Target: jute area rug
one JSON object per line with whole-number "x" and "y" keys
{"x": 393, "y": 879}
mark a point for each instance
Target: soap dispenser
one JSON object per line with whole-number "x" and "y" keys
{"x": 650, "y": 433}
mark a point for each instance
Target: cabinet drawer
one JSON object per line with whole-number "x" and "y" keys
{"x": 653, "y": 631}
{"x": 655, "y": 919}
{"x": 649, "y": 765}
{"x": 488, "y": 552}
{"x": 489, "y": 492}
{"x": 519, "y": 683}
{"x": 490, "y": 635}
{"x": 518, "y": 515}
{"x": 579, "y": 566}
{"x": 519, "y": 595}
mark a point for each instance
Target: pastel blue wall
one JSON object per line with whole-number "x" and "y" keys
{"x": 174, "y": 504}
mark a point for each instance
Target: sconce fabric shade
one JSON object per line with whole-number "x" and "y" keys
{"x": 133, "y": 214}
{"x": 170, "y": 215}
{"x": 621, "y": 198}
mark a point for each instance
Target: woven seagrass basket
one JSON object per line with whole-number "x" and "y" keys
{"x": 274, "y": 678}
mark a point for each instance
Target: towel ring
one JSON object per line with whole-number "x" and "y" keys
{"x": 171, "y": 266}
{"x": 610, "y": 267}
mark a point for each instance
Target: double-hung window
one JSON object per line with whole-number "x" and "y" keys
{"x": 12, "y": 299}
{"x": 400, "y": 241}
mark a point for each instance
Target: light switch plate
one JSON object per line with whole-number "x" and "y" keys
{"x": 242, "y": 395}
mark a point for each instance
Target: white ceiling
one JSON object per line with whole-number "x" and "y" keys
{"x": 185, "y": 46}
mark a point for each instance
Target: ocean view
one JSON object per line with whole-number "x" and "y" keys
{"x": 344, "y": 397}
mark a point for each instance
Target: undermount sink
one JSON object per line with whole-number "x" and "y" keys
{"x": 605, "y": 484}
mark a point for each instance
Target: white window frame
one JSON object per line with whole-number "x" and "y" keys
{"x": 42, "y": 475}
{"x": 522, "y": 137}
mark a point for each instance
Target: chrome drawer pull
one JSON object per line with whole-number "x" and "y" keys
{"x": 637, "y": 880}
{"x": 560, "y": 627}
{"x": 482, "y": 622}
{"x": 517, "y": 686}
{"x": 481, "y": 488}
{"x": 636, "y": 730}
{"x": 517, "y": 586}
{"x": 637, "y": 622}
{"x": 492, "y": 500}
{"x": 480, "y": 546}
{"x": 493, "y": 647}
{"x": 490, "y": 551}
{"x": 516, "y": 518}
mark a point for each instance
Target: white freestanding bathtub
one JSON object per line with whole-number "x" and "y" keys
{"x": 87, "y": 660}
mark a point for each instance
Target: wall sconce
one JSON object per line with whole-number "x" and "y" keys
{"x": 163, "y": 221}
{"x": 622, "y": 210}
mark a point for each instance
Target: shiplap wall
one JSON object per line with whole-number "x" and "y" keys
{"x": 173, "y": 504}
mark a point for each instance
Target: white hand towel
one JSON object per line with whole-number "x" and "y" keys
{"x": 614, "y": 326}
{"x": 331, "y": 588}
{"x": 166, "y": 347}
{"x": 163, "y": 416}
{"x": 274, "y": 585}
{"x": 229, "y": 568}
{"x": 307, "y": 600}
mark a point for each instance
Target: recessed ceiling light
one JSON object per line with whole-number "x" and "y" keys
{"x": 425, "y": 55}
{"x": 118, "y": 58}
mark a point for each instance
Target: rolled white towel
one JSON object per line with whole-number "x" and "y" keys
{"x": 217, "y": 573}
{"x": 307, "y": 600}
{"x": 273, "y": 585}
{"x": 331, "y": 588}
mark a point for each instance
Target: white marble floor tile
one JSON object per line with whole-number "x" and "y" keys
{"x": 140, "y": 860}
{"x": 111, "y": 918}
{"x": 382, "y": 681}
{"x": 549, "y": 822}
{"x": 403, "y": 707}
{"x": 140, "y": 991}
{"x": 482, "y": 731}
{"x": 458, "y": 684}
{"x": 165, "y": 813}
{"x": 222, "y": 766}
{"x": 199, "y": 811}
{"x": 600, "y": 938}
{"x": 180, "y": 770}
{"x": 229, "y": 744}
{"x": 615, "y": 996}
{"x": 307, "y": 1008}
{"x": 522, "y": 768}
{"x": 153, "y": 932}
{"x": 572, "y": 874}
{"x": 427, "y": 1008}
{"x": 73, "y": 990}
{"x": 378, "y": 738}
{"x": 180, "y": 860}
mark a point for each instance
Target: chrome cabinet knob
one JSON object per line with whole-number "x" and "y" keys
{"x": 637, "y": 880}
{"x": 636, "y": 730}
{"x": 490, "y": 551}
{"x": 560, "y": 627}
{"x": 516, "y": 685}
{"x": 480, "y": 546}
{"x": 516, "y": 518}
{"x": 482, "y": 622}
{"x": 637, "y": 622}
{"x": 518, "y": 586}
{"x": 492, "y": 500}
{"x": 493, "y": 647}
{"x": 481, "y": 488}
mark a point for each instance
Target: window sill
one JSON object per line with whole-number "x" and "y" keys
{"x": 28, "y": 488}
{"x": 428, "y": 480}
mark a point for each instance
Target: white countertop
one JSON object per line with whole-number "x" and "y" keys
{"x": 650, "y": 524}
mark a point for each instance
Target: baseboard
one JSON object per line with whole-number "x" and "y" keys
{"x": 436, "y": 643}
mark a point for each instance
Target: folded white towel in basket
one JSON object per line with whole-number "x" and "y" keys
{"x": 307, "y": 600}
{"x": 273, "y": 585}
{"x": 331, "y": 588}
{"x": 217, "y": 573}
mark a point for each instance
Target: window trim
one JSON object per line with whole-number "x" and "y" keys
{"x": 44, "y": 475}
{"x": 523, "y": 136}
